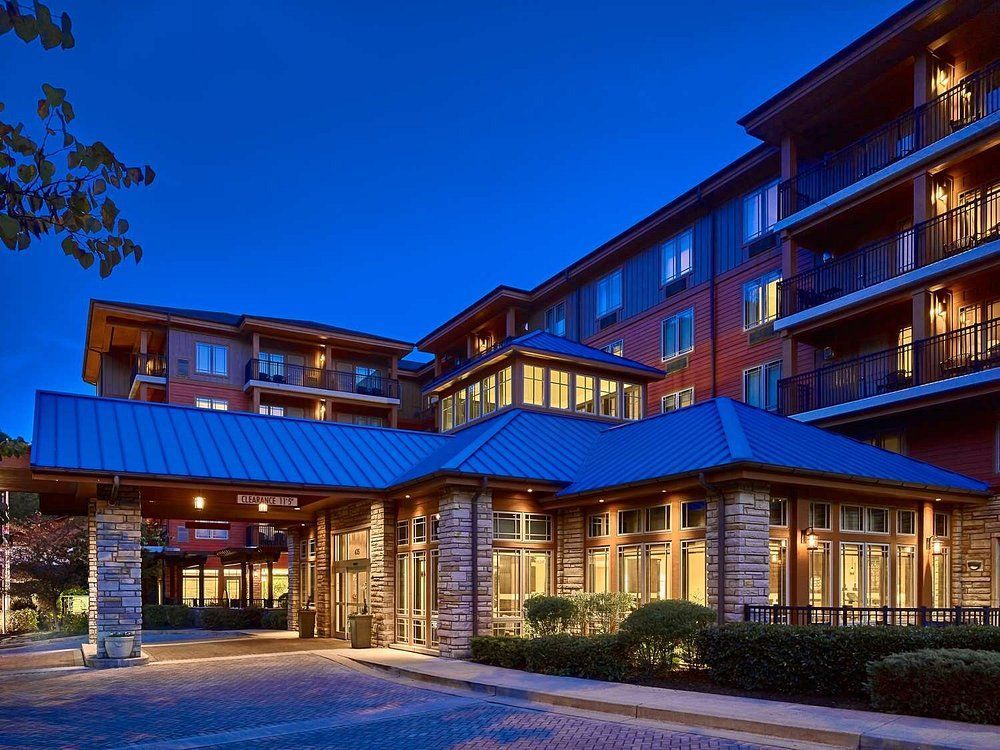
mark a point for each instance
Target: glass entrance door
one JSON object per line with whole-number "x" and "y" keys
{"x": 350, "y": 593}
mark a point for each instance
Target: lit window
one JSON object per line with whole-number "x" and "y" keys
{"x": 599, "y": 524}
{"x": 534, "y": 385}
{"x": 694, "y": 571}
{"x": 558, "y": 389}
{"x": 420, "y": 529}
{"x": 447, "y": 413}
{"x": 760, "y": 211}
{"x": 475, "y": 403}
{"x": 609, "y": 293}
{"x": 760, "y": 385}
{"x": 402, "y": 533}
{"x": 906, "y": 522}
{"x": 503, "y": 387}
{"x": 778, "y": 572}
{"x": 609, "y": 398}
{"x": 211, "y": 533}
{"x": 629, "y": 521}
{"x": 760, "y": 300}
{"x": 693, "y": 514}
{"x": 211, "y": 359}
{"x": 489, "y": 391}
{"x": 633, "y": 401}
{"x": 272, "y": 411}
{"x": 598, "y": 570}
{"x": 460, "y": 414}
{"x": 676, "y": 256}
{"x": 585, "y": 394}
{"x": 218, "y": 404}
{"x": 555, "y": 319}
{"x": 615, "y": 347}
{"x": 678, "y": 400}
{"x": 677, "y": 334}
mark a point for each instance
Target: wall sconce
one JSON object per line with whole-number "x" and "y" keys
{"x": 935, "y": 545}
{"x": 942, "y": 80}
{"x": 322, "y": 359}
{"x": 262, "y": 507}
{"x": 199, "y": 503}
{"x": 940, "y": 307}
{"x": 941, "y": 194}
{"x": 810, "y": 539}
{"x": 975, "y": 565}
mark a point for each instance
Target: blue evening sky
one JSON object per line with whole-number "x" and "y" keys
{"x": 381, "y": 165}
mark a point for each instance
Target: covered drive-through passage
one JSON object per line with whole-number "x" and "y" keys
{"x": 441, "y": 537}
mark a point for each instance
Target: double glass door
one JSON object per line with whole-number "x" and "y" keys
{"x": 350, "y": 595}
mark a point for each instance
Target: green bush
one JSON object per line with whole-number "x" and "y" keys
{"x": 955, "y": 683}
{"x": 275, "y": 619}
{"x": 594, "y": 657}
{"x": 221, "y": 618}
{"x": 160, "y": 616}
{"x": 74, "y": 623}
{"x": 601, "y": 613}
{"x": 657, "y": 635}
{"x": 22, "y": 621}
{"x": 817, "y": 660}
{"x": 547, "y": 615}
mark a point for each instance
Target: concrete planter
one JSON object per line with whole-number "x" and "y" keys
{"x": 119, "y": 646}
{"x": 359, "y": 628}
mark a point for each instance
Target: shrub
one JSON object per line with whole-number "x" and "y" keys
{"x": 274, "y": 619}
{"x": 221, "y": 618}
{"x": 22, "y": 621}
{"x": 820, "y": 660}
{"x": 595, "y": 657}
{"x": 499, "y": 651}
{"x": 602, "y": 613}
{"x": 547, "y": 615}
{"x": 657, "y": 634}
{"x": 159, "y": 616}
{"x": 955, "y": 683}
{"x": 74, "y": 623}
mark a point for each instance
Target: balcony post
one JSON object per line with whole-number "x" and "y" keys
{"x": 922, "y": 68}
{"x": 201, "y": 584}
{"x": 921, "y": 205}
{"x": 270, "y": 584}
{"x": 924, "y": 552}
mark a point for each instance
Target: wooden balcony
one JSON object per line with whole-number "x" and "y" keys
{"x": 963, "y": 228}
{"x": 972, "y": 99}
{"x": 939, "y": 358}
{"x": 284, "y": 376}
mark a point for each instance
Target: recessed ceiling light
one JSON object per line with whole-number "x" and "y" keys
{"x": 530, "y": 490}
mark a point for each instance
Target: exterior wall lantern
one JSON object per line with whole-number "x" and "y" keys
{"x": 935, "y": 545}
{"x": 262, "y": 507}
{"x": 810, "y": 539}
{"x": 199, "y": 503}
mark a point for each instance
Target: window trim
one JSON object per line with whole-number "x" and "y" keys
{"x": 640, "y": 518}
{"x": 664, "y": 357}
{"x": 558, "y": 305}
{"x": 761, "y": 283}
{"x": 213, "y": 348}
{"x": 763, "y": 367}
{"x": 211, "y": 403}
{"x": 674, "y": 242}
{"x": 619, "y": 272}
{"x": 761, "y": 190}
{"x": 620, "y": 345}
{"x": 684, "y": 505}
{"x": 676, "y": 396}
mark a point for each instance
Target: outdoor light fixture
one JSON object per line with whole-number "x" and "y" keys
{"x": 937, "y": 499}
{"x": 810, "y": 538}
{"x": 530, "y": 490}
{"x": 601, "y": 500}
{"x": 199, "y": 503}
{"x": 935, "y": 545}
{"x": 407, "y": 497}
{"x": 262, "y": 507}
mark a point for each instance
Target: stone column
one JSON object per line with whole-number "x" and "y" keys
{"x": 569, "y": 551}
{"x": 92, "y": 572}
{"x": 747, "y": 560}
{"x": 382, "y": 573}
{"x": 115, "y": 575}
{"x": 293, "y": 602}
{"x": 459, "y": 591}
{"x": 975, "y": 533}
{"x": 324, "y": 624}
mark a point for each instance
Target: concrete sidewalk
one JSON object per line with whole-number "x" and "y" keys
{"x": 832, "y": 726}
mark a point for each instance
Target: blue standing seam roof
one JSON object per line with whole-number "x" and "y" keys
{"x": 94, "y": 435}
{"x": 548, "y": 343}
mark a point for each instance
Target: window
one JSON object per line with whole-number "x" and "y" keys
{"x": 558, "y": 389}
{"x": 598, "y": 570}
{"x": 402, "y": 533}
{"x": 677, "y": 334}
{"x": 420, "y": 529}
{"x": 211, "y": 359}
{"x": 527, "y": 527}
{"x": 182, "y": 534}
{"x": 507, "y": 526}
{"x": 271, "y": 364}
{"x": 819, "y": 515}
{"x": 460, "y": 415}
{"x": 941, "y": 524}
{"x": 906, "y": 522}
{"x": 555, "y": 319}
{"x": 779, "y": 512}
{"x": 656, "y": 560}
{"x": 599, "y": 524}
{"x": 819, "y": 576}
{"x": 517, "y": 575}
{"x": 629, "y": 580}
{"x": 362, "y": 420}
{"x": 473, "y": 395}
{"x": 760, "y": 300}
{"x": 939, "y": 579}
{"x": 658, "y": 518}
{"x": 760, "y": 211}
{"x": 676, "y": 257}
{"x": 851, "y": 518}
{"x": 609, "y": 293}
{"x": 678, "y": 400}
{"x": 272, "y": 411}
{"x": 629, "y": 521}
{"x": 537, "y": 527}
{"x": 402, "y": 587}
{"x": 585, "y": 394}
{"x": 864, "y": 575}
{"x": 889, "y": 441}
{"x": 876, "y": 520}
{"x": 435, "y": 527}
{"x": 503, "y": 386}
{"x": 489, "y": 389}
{"x": 534, "y": 385}
{"x": 419, "y": 602}
{"x": 760, "y": 385}
{"x": 211, "y": 533}
{"x": 694, "y": 570}
{"x": 906, "y": 576}
{"x": 447, "y": 413}
{"x": 777, "y": 591}
{"x": 205, "y": 402}
{"x": 869, "y": 520}
{"x": 632, "y": 395}
{"x": 615, "y": 347}
{"x": 609, "y": 398}
{"x": 693, "y": 514}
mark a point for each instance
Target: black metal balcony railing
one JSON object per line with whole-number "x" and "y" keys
{"x": 281, "y": 373}
{"x": 963, "y": 228}
{"x": 265, "y": 535}
{"x": 154, "y": 365}
{"x": 947, "y": 355}
{"x": 847, "y": 616}
{"x": 972, "y": 99}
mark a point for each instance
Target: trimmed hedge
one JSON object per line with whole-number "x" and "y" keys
{"x": 816, "y": 660}
{"x": 160, "y": 616}
{"x": 958, "y": 684}
{"x": 22, "y": 621}
{"x": 74, "y": 623}
{"x": 547, "y": 615}
{"x": 594, "y": 657}
{"x": 222, "y": 618}
{"x": 658, "y": 636}
{"x": 275, "y": 619}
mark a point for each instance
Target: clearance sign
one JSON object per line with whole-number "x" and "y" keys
{"x": 277, "y": 501}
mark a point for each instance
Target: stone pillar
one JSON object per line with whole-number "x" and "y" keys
{"x": 459, "y": 592}
{"x": 92, "y": 572}
{"x": 115, "y": 575}
{"x": 293, "y": 602}
{"x": 324, "y": 623}
{"x": 382, "y": 573}
{"x": 975, "y": 534}
{"x": 747, "y": 561}
{"x": 569, "y": 551}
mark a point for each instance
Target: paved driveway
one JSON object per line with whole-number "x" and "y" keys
{"x": 293, "y": 700}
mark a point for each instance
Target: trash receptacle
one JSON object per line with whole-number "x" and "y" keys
{"x": 359, "y": 628}
{"x": 307, "y": 623}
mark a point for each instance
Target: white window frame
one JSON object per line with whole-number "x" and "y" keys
{"x": 679, "y": 252}
{"x": 551, "y": 322}
{"x": 760, "y": 286}
{"x": 764, "y": 370}
{"x": 213, "y": 351}
{"x": 675, "y": 397}
{"x": 211, "y": 533}
{"x": 617, "y": 349}
{"x": 615, "y": 300}
{"x": 762, "y": 199}
{"x": 271, "y": 410}
{"x": 681, "y": 350}
{"x": 210, "y": 402}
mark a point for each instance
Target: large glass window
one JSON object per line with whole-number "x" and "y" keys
{"x": 819, "y": 575}
{"x": 906, "y": 576}
{"x": 939, "y": 579}
{"x": 447, "y": 413}
{"x": 632, "y": 397}
{"x": 598, "y": 570}
{"x": 460, "y": 414}
{"x": 205, "y": 402}
{"x": 555, "y": 319}
{"x": 629, "y": 581}
{"x": 864, "y": 575}
{"x": 585, "y": 394}
{"x": 760, "y": 300}
{"x": 489, "y": 391}
{"x": 504, "y": 395}
{"x": 657, "y": 571}
{"x": 693, "y": 514}
{"x": 534, "y": 385}
{"x": 693, "y": 571}
{"x": 678, "y": 400}
{"x": 760, "y": 385}
{"x": 609, "y": 293}
{"x": 517, "y": 575}
{"x": 506, "y": 583}
{"x": 598, "y": 525}
{"x": 676, "y": 256}
{"x": 558, "y": 389}
{"x": 778, "y": 572}
{"x": 760, "y": 211}
{"x": 211, "y": 359}
{"x": 677, "y": 334}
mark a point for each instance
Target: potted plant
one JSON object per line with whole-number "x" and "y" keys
{"x": 119, "y": 645}
{"x": 359, "y": 626}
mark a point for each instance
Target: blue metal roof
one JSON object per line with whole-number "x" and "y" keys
{"x": 543, "y": 342}
{"x": 93, "y": 435}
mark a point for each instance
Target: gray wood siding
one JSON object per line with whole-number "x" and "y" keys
{"x": 116, "y": 375}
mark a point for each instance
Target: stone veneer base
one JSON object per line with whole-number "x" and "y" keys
{"x": 90, "y": 659}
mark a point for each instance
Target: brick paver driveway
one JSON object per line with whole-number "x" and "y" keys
{"x": 294, "y": 700}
